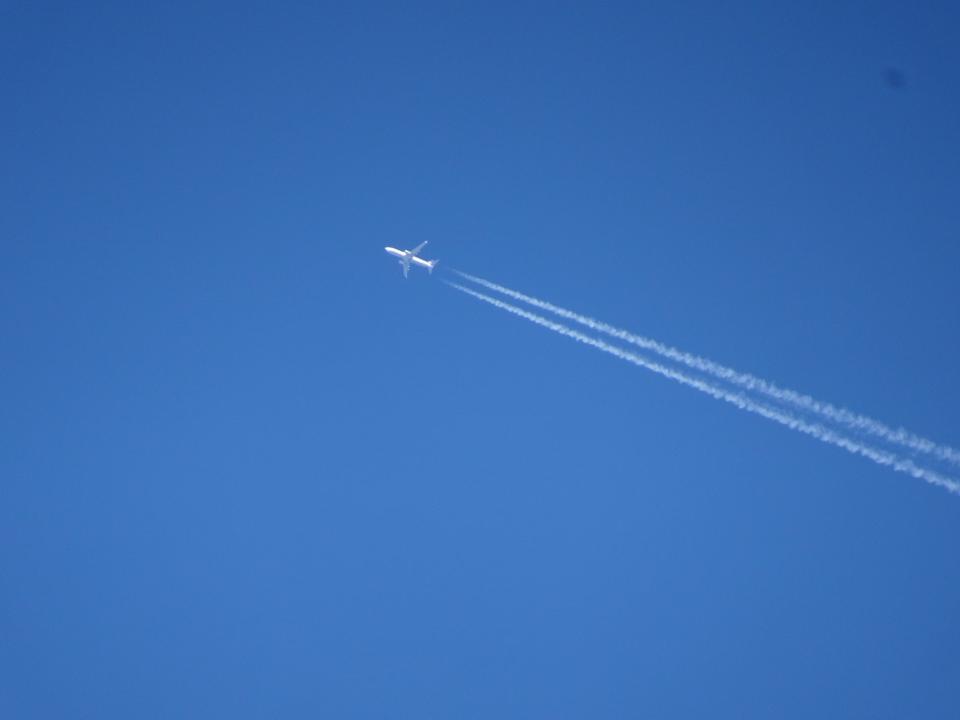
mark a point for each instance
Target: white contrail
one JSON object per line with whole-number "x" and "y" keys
{"x": 880, "y": 457}
{"x": 851, "y": 420}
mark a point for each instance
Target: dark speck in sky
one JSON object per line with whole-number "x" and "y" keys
{"x": 894, "y": 78}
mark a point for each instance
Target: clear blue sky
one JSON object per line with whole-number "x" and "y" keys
{"x": 247, "y": 471}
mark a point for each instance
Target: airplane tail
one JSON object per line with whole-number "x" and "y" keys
{"x": 433, "y": 264}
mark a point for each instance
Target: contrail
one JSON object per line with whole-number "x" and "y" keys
{"x": 850, "y": 420}
{"x": 881, "y": 457}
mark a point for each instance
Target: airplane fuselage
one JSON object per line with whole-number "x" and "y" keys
{"x": 409, "y": 257}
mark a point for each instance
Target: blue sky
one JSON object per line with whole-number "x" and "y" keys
{"x": 248, "y": 471}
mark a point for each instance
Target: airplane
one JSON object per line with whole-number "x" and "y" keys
{"x": 410, "y": 256}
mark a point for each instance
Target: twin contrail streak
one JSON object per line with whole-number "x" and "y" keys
{"x": 850, "y": 420}
{"x": 819, "y": 432}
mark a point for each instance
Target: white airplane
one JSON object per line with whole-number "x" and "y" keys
{"x": 410, "y": 256}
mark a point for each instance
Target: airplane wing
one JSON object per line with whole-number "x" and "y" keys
{"x": 419, "y": 247}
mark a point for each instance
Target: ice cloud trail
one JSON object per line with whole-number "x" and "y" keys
{"x": 850, "y": 420}
{"x": 881, "y": 457}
